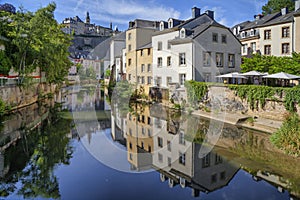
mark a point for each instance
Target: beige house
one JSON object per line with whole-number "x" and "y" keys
{"x": 144, "y": 68}
{"x": 276, "y": 34}
{"x": 138, "y": 36}
{"x": 139, "y": 140}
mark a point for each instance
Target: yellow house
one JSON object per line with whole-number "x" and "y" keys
{"x": 144, "y": 68}
{"x": 139, "y": 133}
{"x": 139, "y": 51}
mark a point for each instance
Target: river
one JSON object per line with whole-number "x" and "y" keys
{"x": 87, "y": 148}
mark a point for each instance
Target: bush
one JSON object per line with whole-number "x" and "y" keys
{"x": 287, "y": 137}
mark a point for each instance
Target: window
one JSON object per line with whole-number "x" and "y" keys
{"x": 142, "y": 145}
{"x": 206, "y": 59}
{"x": 244, "y": 34}
{"x": 149, "y": 120}
{"x": 223, "y": 175}
{"x": 143, "y": 131}
{"x": 182, "y": 158}
{"x": 170, "y": 24}
{"x": 215, "y": 37}
{"x": 129, "y": 77}
{"x": 143, "y": 80}
{"x": 143, "y": 68}
{"x": 169, "y": 145}
{"x": 129, "y": 61}
{"x": 182, "y": 33}
{"x": 252, "y": 32}
{"x": 231, "y": 60}
{"x": 169, "y": 61}
{"x": 160, "y": 157}
{"x": 158, "y": 82}
{"x": 149, "y": 148}
{"x": 218, "y": 159}
{"x": 129, "y": 36}
{"x": 245, "y": 48}
{"x": 149, "y": 80}
{"x": 160, "y": 142}
{"x": 181, "y": 138}
{"x": 224, "y": 39}
{"x": 130, "y": 156}
{"x": 130, "y": 131}
{"x": 182, "y": 59}
{"x": 285, "y": 48}
{"x": 159, "y": 46}
{"x": 159, "y": 62}
{"x": 161, "y": 26}
{"x": 149, "y": 132}
{"x": 267, "y": 34}
{"x": 169, "y": 161}
{"x": 130, "y": 145}
{"x": 139, "y": 79}
{"x": 219, "y": 59}
{"x": 213, "y": 178}
{"x": 142, "y": 52}
{"x": 169, "y": 80}
{"x": 129, "y": 47}
{"x": 149, "y": 68}
{"x": 149, "y": 51}
{"x": 169, "y": 45}
{"x": 267, "y": 49}
{"x": 286, "y": 32}
{"x": 207, "y": 77}
{"x": 253, "y": 46}
{"x": 206, "y": 161}
{"x": 182, "y": 78}
{"x": 143, "y": 118}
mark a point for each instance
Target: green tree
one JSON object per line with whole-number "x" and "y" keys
{"x": 276, "y": 5}
{"x": 38, "y": 41}
{"x": 90, "y": 73}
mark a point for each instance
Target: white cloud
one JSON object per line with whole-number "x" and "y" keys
{"x": 219, "y": 15}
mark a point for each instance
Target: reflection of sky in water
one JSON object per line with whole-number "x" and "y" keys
{"x": 87, "y": 178}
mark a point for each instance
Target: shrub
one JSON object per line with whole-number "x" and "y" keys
{"x": 287, "y": 137}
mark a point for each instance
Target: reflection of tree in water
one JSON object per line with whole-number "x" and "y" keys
{"x": 37, "y": 154}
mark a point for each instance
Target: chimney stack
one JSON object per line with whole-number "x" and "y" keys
{"x": 284, "y": 11}
{"x": 297, "y": 5}
{"x": 210, "y": 13}
{"x": 195, "y": 12}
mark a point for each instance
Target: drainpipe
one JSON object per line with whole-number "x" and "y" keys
{"x": 293, "y": 36}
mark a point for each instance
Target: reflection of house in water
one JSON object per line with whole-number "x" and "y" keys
{"x": 178, "y": 160}
{"x": 81, "y": 99}
{"x": 118, "y": 125}
{"x": 139, "y": 138}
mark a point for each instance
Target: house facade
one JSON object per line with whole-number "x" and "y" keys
{"x": 138, "y": 35}
{"x": 276, "y": 34}
{"x": 197, "y": 49}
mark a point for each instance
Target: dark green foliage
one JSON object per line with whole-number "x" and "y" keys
{"x": 272, "y": 64}
{"x": 276, "y": 5}
{"x": 287, "y": 137}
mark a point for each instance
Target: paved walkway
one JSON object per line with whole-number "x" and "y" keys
{"x": 260, "y": 124}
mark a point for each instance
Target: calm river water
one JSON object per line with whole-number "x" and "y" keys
{"x": 86, "y": 148}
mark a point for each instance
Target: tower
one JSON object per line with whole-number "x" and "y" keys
{"x": 87, "y": 19}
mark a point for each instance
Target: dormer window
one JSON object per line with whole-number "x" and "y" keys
{"x": 252, "y": 32}
{"x": 244, "y": 34}
{"x": 170, "y": 23}
{"x": 161, "y": 28}
{"x": 182, "y": 33}
{"x": 238, "y": 29}
{"x": 234, "y": 31}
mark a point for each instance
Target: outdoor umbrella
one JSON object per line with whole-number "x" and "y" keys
{"x": 253, "y": 73}
{"x": 283, "y": 75}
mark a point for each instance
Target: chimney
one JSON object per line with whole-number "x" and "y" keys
{"x": 284, "y": 11}
{"x": 297, "y": 5}
{"x": 195, "y": 12}
{"x": 257, "y": 17}
{"x": 131, "y": 24}
{"x": 210, "y": 13}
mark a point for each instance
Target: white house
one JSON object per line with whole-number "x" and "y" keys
{"x": 197, "y": 49}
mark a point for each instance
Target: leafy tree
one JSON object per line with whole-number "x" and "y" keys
{"x": 38, "y": 41}
{"x": 276, "y": 5}
{"x": 272, "y": 64}
{"x": 90, "y": 73}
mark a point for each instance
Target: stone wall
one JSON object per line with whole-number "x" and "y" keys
{"x": 221, "y": 98}
{"x": 19, "y": 96}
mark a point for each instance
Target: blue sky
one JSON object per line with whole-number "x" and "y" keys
{"x": 120, "y": 12}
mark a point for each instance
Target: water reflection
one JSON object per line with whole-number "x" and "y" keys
{"x": 170, "y": 142}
